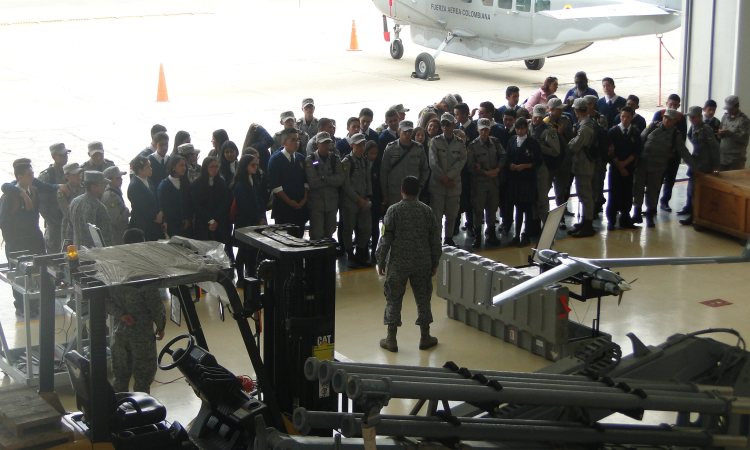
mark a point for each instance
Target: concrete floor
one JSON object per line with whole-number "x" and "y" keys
{"x": 78, "y": 71}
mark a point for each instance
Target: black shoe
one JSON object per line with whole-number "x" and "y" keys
{"x": 493, "y": 240}
{"x": 685, "y": 211}
{"x": 514, "y": 242}
{"x": 470, "y": 232}
{"x": 687, "y": 221}
{"x": 449, "y": 241}
{"x": 477, "y": 242}
{"x": 524, "y": 240}
{"x": 650, "y": 221}
{"x": 610, "y": 226}
{"x": 637, "y": 218}
{"x": 664, "y": 206}
{"x": 625, "y": 222}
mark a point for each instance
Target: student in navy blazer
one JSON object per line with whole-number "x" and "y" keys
{"x": 610, "y": 104}
{"x": 209, "y": 197}
{"x": 287, "y": 181}
{"x": 146, "y": 211}
{"x": 174, "y": 195}
{"x": 251, "y": 198}
{"x": 159, "y": 159}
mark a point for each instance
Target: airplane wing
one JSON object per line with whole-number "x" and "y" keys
{"x": 617, "y": 10}
{"x": 547, "y": 278}
{"x": 639, "y": 262}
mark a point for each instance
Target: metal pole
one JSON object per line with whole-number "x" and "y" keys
{"x": 659, "y": 36}
{"x": 605, "y": 434}
{"x": 98, "y": 348}
{"x": 46, "y": 330}
{"x": 361, "y": 389}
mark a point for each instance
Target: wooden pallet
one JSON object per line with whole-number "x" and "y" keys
{"x": 27, "y": 420}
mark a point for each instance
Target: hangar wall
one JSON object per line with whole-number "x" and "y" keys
{"x": 716, "y": 52}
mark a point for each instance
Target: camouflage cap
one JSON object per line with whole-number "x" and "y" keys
{"x": 308, "y": 101}
{"x": 95, "y": 147}
{"x": 323, "y": 136}
{"x": 406, "y": 125}
{"x": 187, "y": 149}
{"x": 358, "y": 138}
{"x": 484, "y": 124}
{"x": 287, "y": 115}
{"x": 113, "y": 172}
{"x": 71, "y": 168}
{"x": 451, "y": 101}
{"x": 58, "y": 149}
{"x": 555, "y": 103}
{"x": 591, "y": 99}
{"x": 399, "y": 108}
{"x": 447, "y": 117}
{"x": 539, "y": 111}
{"x": 695, "y": 111}
{"x": 580, "y": 104}
{"x": 94, "y": 176}
{"x": 731, "y": 101}
{"x": 671, "y": 113}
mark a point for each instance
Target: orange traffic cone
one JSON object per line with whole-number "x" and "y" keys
{"x": 161, "y": 92}
{"x": 353, "y": 45}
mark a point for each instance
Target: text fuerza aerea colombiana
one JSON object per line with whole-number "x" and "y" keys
{"x": 459, "y": 11}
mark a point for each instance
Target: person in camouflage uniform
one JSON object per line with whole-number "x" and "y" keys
{"x": 546, "y": 135}
{"x": 402, "y": 158}
{"x": 410, "y": 249}
{"x": 75, "y": 188}
{"x": 112, "y": 199}
{"x": 308, "y": 123}
{"x": 133, "y": 346}
{"x": 600, "y": 165}
{"x": 446, "y": 105}
{"x": 96, "y": 161}
{"x": 87, "y": 209}
{"x": 48, "y": 206}
{"x": 287, "y": 121}
{"x": 734, "y": 133}
{"x": 356, "y": 204}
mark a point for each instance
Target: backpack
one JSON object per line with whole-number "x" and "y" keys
{"x": 552, "y": 162}
{"x": 601, "y": 144}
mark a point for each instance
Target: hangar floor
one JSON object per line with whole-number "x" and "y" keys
{"x": 232, "y": 63}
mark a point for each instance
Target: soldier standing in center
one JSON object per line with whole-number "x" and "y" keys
{"x": 401, "y": 158}
{"x": 112, "y": 199}
{"x": 485, "y": 160}
{"x": 356, "y": 201}
{"x": 308, "y": 123}
{"x": 75, "y": 188}
{"x": 87, "y": 209}
{"x": 324, "y": 177}
{"x": 96, "y": 161}
{"x": 546, "y": 135}
{"x": 48, "y": 207}
{"x": 582, "y": 150}
{"x": 411, "y": 248}
{"x": 447, "y": 157}
{"x": 562, "y": 175}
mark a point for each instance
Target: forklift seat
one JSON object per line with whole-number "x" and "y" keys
{"x": 126, "y": 409}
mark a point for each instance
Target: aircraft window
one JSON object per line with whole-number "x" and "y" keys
{"x": 487, "y": 2}
{"x": 523, "y": 5}
{"x": 505, "y": 4}
{"x": 542, "y": 5}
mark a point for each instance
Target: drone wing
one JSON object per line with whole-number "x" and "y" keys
{"x": 547, "y": 278}
{"x": 639, "y": 262}
{"x": 628, "y": 9}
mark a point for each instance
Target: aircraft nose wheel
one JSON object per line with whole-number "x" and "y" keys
{"x": 397, "y": 49}
{"x": 168, "y": 349}
{"x": 535, "y": 64}
{"x": 424, "y": 66}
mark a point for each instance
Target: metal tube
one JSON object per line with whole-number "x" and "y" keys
{"x": 357, "y": 388}
{"x": 341, "y": 376}
{"x": 607, "y": 434}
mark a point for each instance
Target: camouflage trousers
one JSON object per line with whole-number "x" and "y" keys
{"x": 395, "y": 287}
{"x": 136, "y": 358}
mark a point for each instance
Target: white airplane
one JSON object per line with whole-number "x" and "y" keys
{"x": 565, "y": 266}
{"x": 513, "y": 30}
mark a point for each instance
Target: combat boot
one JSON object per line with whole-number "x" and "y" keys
{"x": 361, "y": 257}
{"x": 426, "y": 341}
{"x": 637, "y": 216}
{"x": 492, "y": 238}
{"x": 351, "y": 261}
{"x": 389, "y": 343}
{"x": 586, "y": 230}
{"x": 477, "y": 238}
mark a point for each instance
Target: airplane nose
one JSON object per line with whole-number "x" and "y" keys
{"x": 624, "y": 286}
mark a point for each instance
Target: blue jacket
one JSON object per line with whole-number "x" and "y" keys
{"x": 251, "y": 201}
{"x": 471, "y": 131}
{"x": 372, "y": 135}
{"x": 158, "y": 170}
{"x": 210, "y": 203}
{"x": 343, "y": 147}
{"x": 263, "y": 145}
{"x": 610, "y": 111}
{"x": 289, "y": 175}
{"x": 384, "y": 139}
{"x": 573, "y": 92}
{"x": 176, "y": 206}
{"x": 145, "y": 207}
{"x": 638, "y": 121}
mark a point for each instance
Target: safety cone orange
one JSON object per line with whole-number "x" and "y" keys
{"x": 161, "y": 92}
{"x": 353, "y": 45}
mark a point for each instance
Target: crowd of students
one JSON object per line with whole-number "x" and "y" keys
{"x": 486, "y": 163}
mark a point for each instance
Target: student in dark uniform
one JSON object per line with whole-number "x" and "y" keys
{"x": 181, "y": 137}
{"x": 626, "y": 147}
{"x": 287, "y": 181}
{"x": 209, "y": 197}
{"x": 174, "y": 196}
{"x": 634, "y": 103}
{"x": 251, "y": 198}
{"x": 218, "y": 138}
{"x": 524, "y": 157}
{"x": 146, "y": 214}
{"x": 512, "y": 95}
{"x": 159, "y": 160}
{"x": 261, "y": 140}
{"x": 673, "y": 165}
{"x": 365, "y": 120}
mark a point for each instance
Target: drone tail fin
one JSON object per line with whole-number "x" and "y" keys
{"x": 746, "y": 253}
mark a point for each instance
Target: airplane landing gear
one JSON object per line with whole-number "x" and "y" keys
{"x": 397, "y": 49}
{"x": 424, "y": 66}
{"x": 535, "y": 64}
